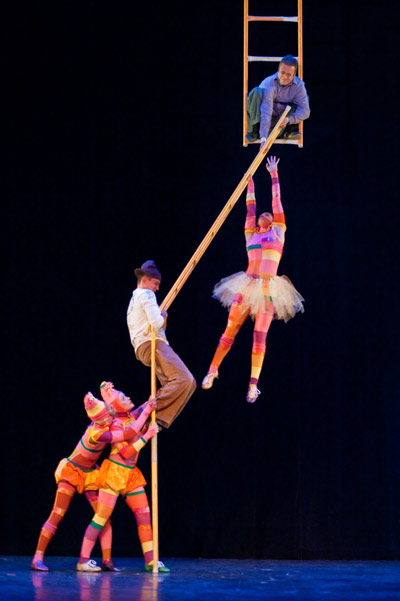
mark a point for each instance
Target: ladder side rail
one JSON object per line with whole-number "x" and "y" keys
{"x": 300, "y": 57}
{"x": 245, "y": 67}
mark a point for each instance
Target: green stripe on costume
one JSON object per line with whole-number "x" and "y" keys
{"x": 87, "y": 471}
{"x": 87, "y": 449}
{"x": 97, "y": 526}
{"x": 129, "y": 467}
{"x": 140, "y": 492}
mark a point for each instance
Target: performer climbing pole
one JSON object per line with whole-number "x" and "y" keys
{"x": 172, "y": 294}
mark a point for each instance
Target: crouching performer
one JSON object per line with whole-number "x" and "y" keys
{"x": 119, "y": 475}
{"x": 77, "y": 473}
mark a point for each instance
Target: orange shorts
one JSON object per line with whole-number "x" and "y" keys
{"x": 119, "y": 479}
{"x": 80, "y": 479}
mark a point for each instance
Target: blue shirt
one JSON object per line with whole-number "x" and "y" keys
{"x": 276, "y": 97}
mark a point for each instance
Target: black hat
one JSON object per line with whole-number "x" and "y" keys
{"x": 148, "y": 268}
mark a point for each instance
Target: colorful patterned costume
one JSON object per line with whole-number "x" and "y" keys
{"x": 77, "y": 473}
{"x": 259, "y": 292}
{"x": 119, "y": 475}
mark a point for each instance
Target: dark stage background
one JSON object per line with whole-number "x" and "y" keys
{"x": 123, "y": 143}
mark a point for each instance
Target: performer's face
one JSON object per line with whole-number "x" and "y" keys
{"x": 264, "y": 220}
{"x": 108, "y": 419}
{"x": 286, "y": 74}
{"x": 124, "y": 402}
{"x": 111, "y": 411}
{"x": 150, "y": 283}
{"x": 115, "y": 398}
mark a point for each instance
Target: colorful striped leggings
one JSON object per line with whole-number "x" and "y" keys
{"x": 238, "y": 314}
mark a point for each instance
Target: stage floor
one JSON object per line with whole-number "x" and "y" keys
{"x": 203, "y": 579}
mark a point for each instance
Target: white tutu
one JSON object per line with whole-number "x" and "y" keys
{"x": 257, "y": 293}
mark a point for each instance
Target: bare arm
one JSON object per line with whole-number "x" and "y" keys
{"x": 251, "y": 208}
{"x": 128, "y": 451}
{"x": 277, "y": 208}
{"x": 141, "y": 420}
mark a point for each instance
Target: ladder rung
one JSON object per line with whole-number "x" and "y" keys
{"x": 280, "y": 141}
{"x": 288, "y": 19}
{"x": 288, "y": 141}
{"x": 264, "y": 59}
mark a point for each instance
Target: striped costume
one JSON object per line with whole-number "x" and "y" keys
{"x": 119, "y": 475}
{"x": 258, "y": 292}
{"x": 78, "y": 473}
{"x": 75, "y": 474}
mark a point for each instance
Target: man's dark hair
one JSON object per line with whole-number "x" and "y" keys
{"x": 291, "y": 61}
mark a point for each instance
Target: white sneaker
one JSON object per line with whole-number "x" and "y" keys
{"x": 88, "y": 566}
{"x": 253, "y": 393}
{"x": 208, "y": 380}
{"x": 161, "y": 567}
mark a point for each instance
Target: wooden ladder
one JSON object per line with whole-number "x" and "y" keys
{"x": 248, "y": 59}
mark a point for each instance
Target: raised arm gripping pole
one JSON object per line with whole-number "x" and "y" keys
{"x": 172, "y": 295}
{"x": 224, "y": 214}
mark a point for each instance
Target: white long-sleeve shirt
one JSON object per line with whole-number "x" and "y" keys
{"x": 143, "y": 315}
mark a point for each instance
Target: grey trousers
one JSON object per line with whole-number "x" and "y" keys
{"x": 254, "y": 100}
{"x": 177, "y": 383}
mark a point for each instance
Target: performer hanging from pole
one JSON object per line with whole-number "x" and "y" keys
{"x": 77, "y": 473}
{"x": 259, "y": 292}
{"x": 144, "y": 313}
{"x": 119, "y": 475}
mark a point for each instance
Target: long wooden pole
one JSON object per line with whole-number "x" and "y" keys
{"x": 154, "y": 459}
{"x": 209, "y": 237}
{"x": 172, "y": 295}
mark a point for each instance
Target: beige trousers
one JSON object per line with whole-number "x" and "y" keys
{"x": 177, "y": 383}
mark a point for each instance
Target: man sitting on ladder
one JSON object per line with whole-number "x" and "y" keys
{"x": 266, "y": 103}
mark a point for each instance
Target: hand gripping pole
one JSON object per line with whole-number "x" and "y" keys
{"x": 173, "y": 294}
